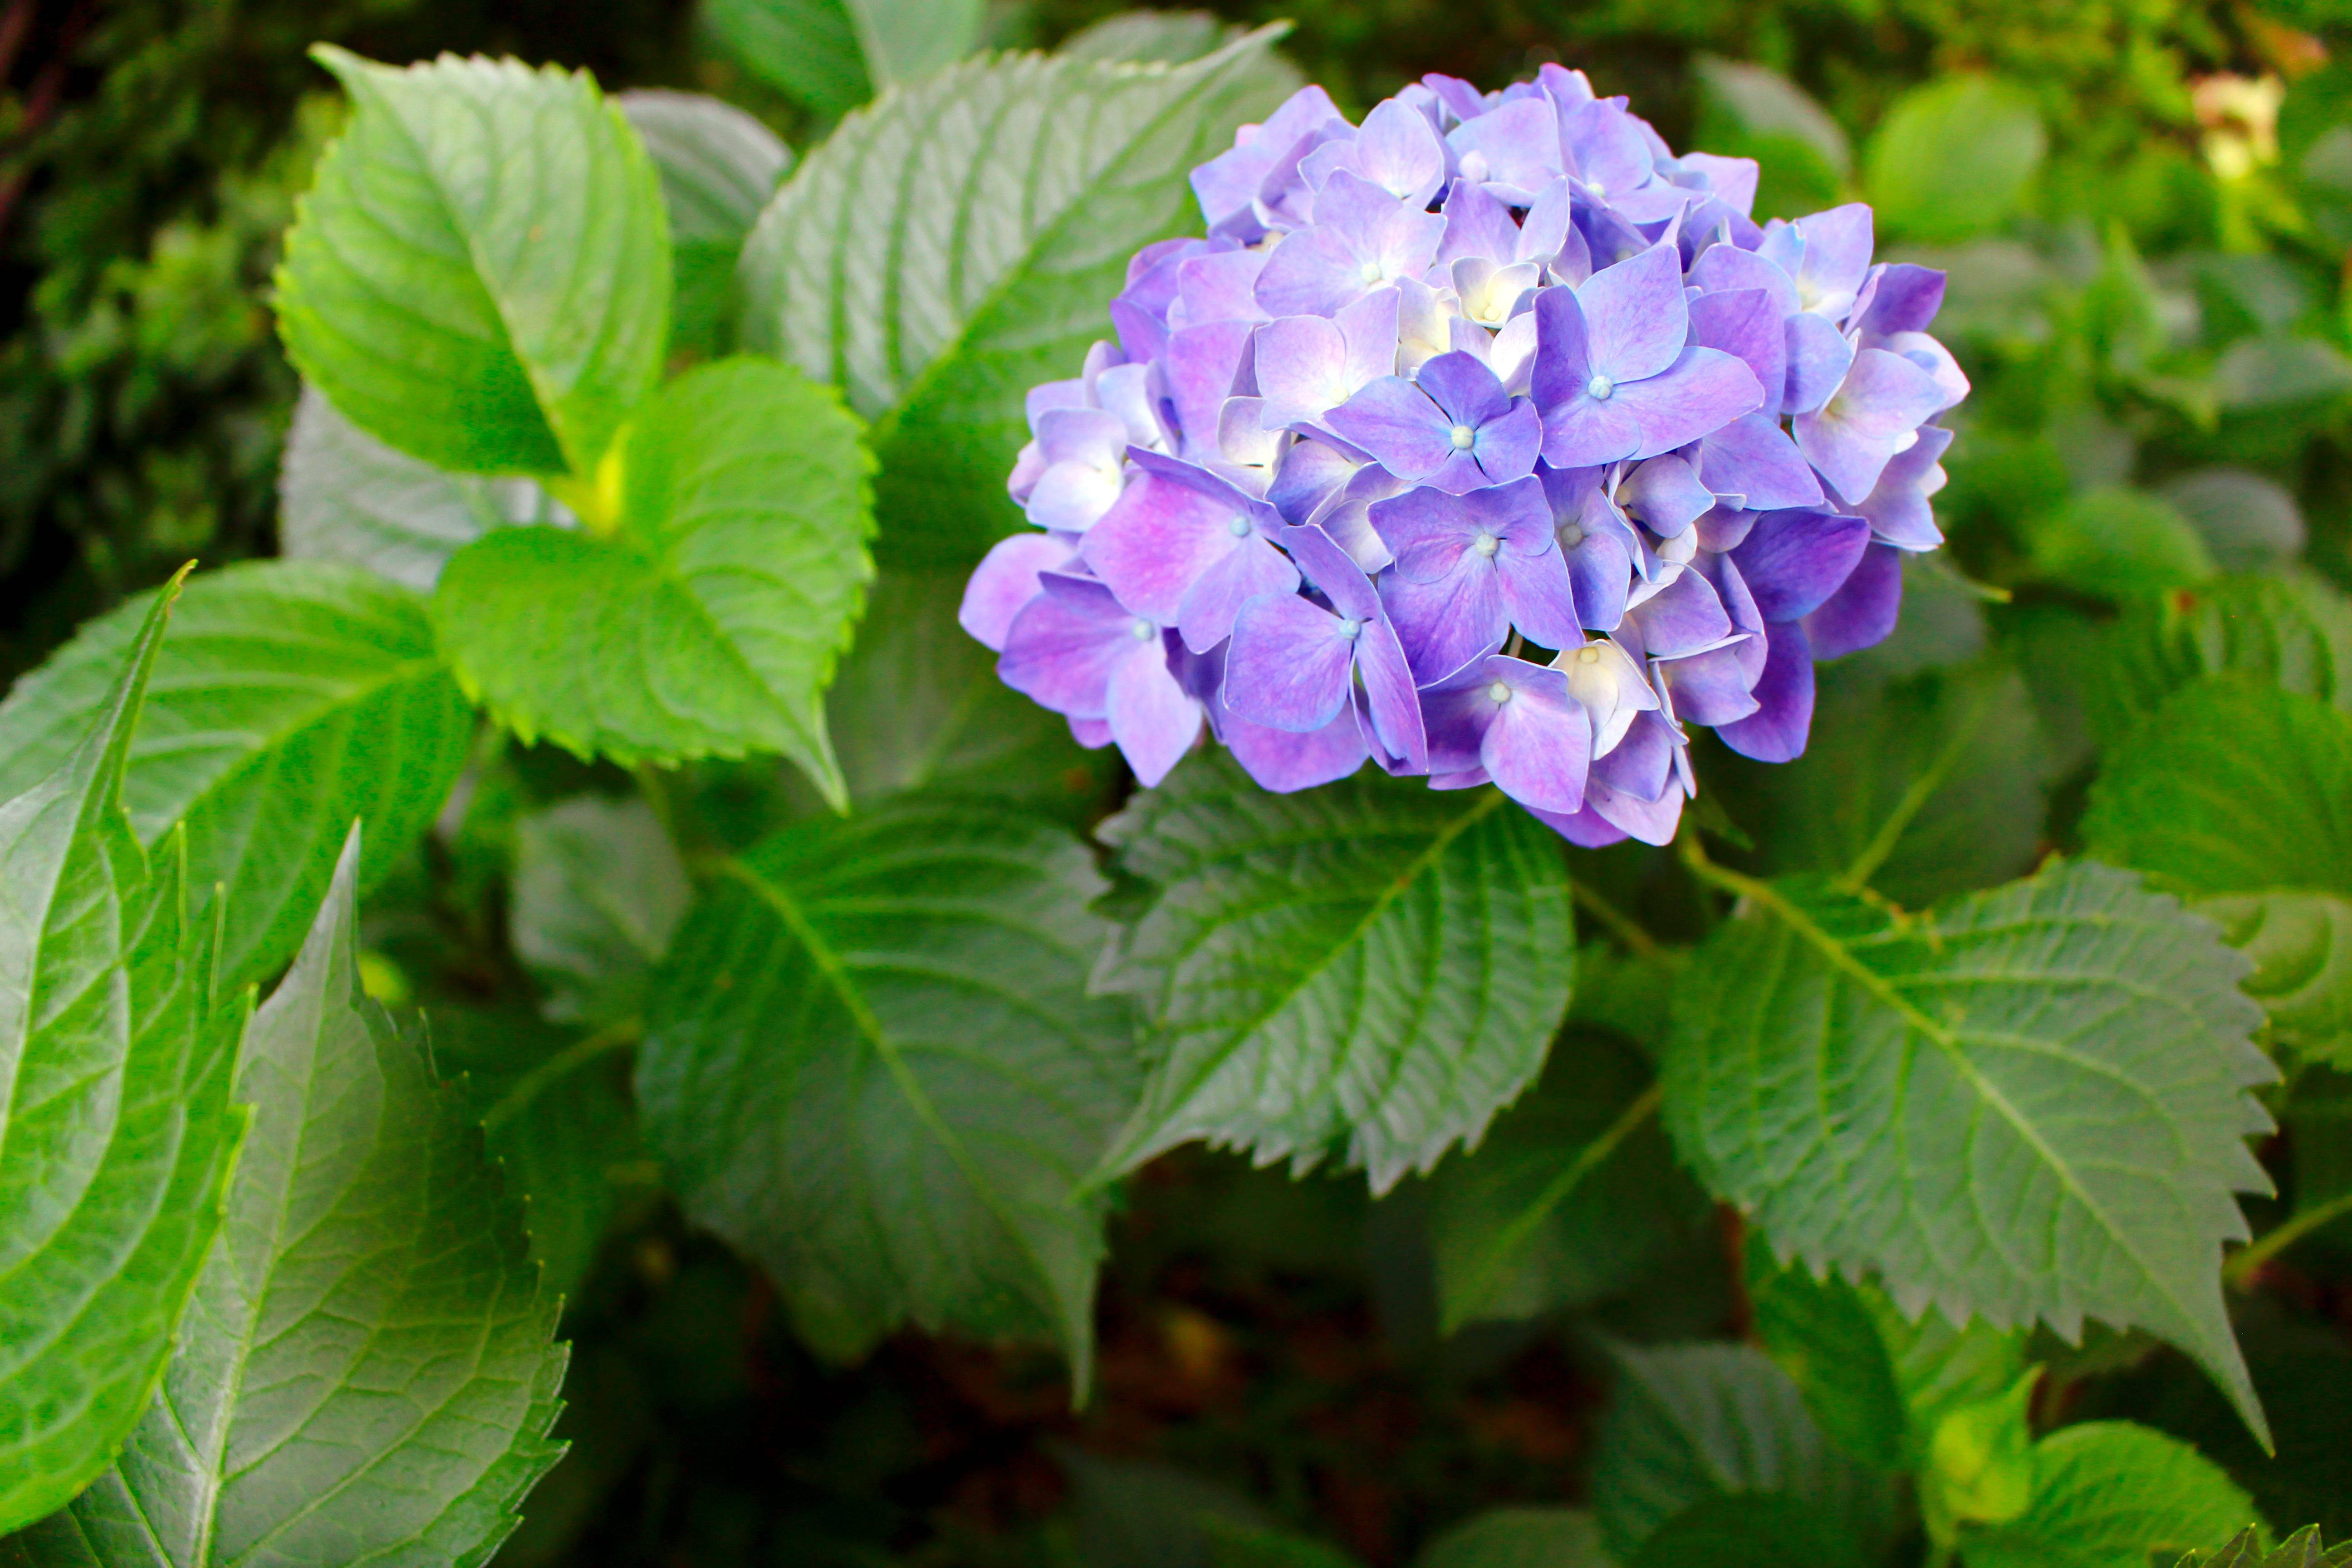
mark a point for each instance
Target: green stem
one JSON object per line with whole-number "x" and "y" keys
{"x": 562, "y": 1063}
{"x": 1923, "y": 789}
{"x": 1621, "y": 924}
{"x": 2241, "y": 1270}
{"x": 1589, "y": 1159}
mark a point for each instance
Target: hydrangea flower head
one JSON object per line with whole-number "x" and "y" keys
{"x": 1486, "y": 441}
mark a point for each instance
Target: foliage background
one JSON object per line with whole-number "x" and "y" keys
{"x": 2151, "y": 291}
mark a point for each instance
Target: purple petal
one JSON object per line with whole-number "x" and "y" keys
{"x": 1426, "y": 529}
{"x": 1539, "y": 745}
{"x": 1005, "y": 580}
{"x": 1793, "y": 561}
{"x": 1702, "y": 390}
{"x": 1153, "y": 720}
{"x": 1681, "y": 618}
{"x": 1398, "y": 151}
{"x": 1062, "y": 648}
{"x": 1396, "y": 422}
{"x": 1218, "y": 288}
{"x": 1302, "y": 368}
{"x": 1862, "y": 612}
{"x": 1819, "y": 356}
{"x": 1587, "y": 829}
{"x": 1746, "y": 324}
{"x": 1094, "y": 734}
{"x": 1665, "y": 495}
{"x": 1288, "y": 665}
{"x": 1753, "y": 458}
{"x": 1635, "y": 319}
{"x": 1725, "y": 267}
{"x": 1310, "y": 473}
{"x": 1282, "y": 762}
{"x": 1544, "y": 231}
{"x": 1837, "y": 254}
{"x": 1776, "y": 731}
{"x": 1732, "y": 179}
{"x": 1445, "y": 624}
{"x": 1906, "y": 299}
{"x": 1610, "y": 157}
{"x": 1463, "y": 388}
{"x": 1652, "y": 822}
{"x": 1253, "y": 567}
{"x": 1201, "y": 367}
{"x": 1882, "y": 400}
{"x": 1392, "y": 709}
{"x": 1504, "y": 447}
{"x": 1642, "y": 764}
{"x": 1710, "y": 687}
{"x": 1898, "y": 507}
{"x": 1329, "y": 568}
{"x": 1156, "y": 542}
{"x": 1514, "y": 150}
{"x": 1563, "y": 350}
{"x": 1314, "y": 272}
{"x": 1227, "y": 183}
{"x": 1537, "y": 594}
{"x": 1583, "y": 432}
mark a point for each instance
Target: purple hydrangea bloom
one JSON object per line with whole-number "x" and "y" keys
{"x": 1489, "y": 441}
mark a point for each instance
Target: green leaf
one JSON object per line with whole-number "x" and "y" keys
{"x": 1699, "y": 1421}
{"x": 711, "y": 624}
{"x": 480, "y": 276}
{"x": 870, "y": 1062}
{"x": 1572, "y": 1196}
{"x": 918, "y": 703}
{"x": 2250, "y": 522}
{"x": 1245, "y": 1546}
{"x": 1887, "y": 1095}
{"x": 1753, "y": 111}
{"x": 598, "y": 890}
{"x": 1754, "y": 1529}
{"x": 1173, "y": 37}
{"x": 556, "y": 1116}
{"x": 346, "y": 497}
{"x": 2107, "y": 1494}
{"x": 719, "y": 167}
{"x": 1952, "y": 159}
{"x": 1979, "y": 1464}
{"x": 806, "y": 50}
{"x": 1028, "y": 183}
{"x": 2118, "y": 542}
{"x": 289, "y": 698}
{"x": 1520, "y": 1538}
{"x": 2239, "y": 792}
{"x": 116, "y": 1131}
{"x": 2303, "y": 1548}
{"x": 2256, "y": 374}
{"x": 904, "y": 40}
{"x": 367, "y": 1373}
{"x": 1927, "y": 786}
{"x": 1372, "y": 968}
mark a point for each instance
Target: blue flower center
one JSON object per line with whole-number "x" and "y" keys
{"x": 1498, "y": 692}
{"x": 1141, "y": 630}
{"x": 1239, "y": 527}
{"x": 1369, "y": 272}
{"x": 1485, "y": 544}
{"x": 1599, "y": 388}
{"x": 1570, "y": 536}
{"x": 1348, "y": 627}
{"x": 1463, "y": 436}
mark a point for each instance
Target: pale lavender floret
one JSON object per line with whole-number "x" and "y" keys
{"x": 1776, "y": 730}
{"x": 1875, "y": 414}
{"x": 1184, "y": 559}
{"x": 1595, "y": 541}
{"x": 1862, "y": 612}
{"x": 1396, "y": 148}
{"x": 1751, "y": 464}
{"x": 1614, "y": 161}
{"x": 1362, "y": 239}
{"x": 1897, "y": 506}
{"x": 1826, "y": 255}
{"x": 1517, "y": 724}
{"x": 1076, "y": 650}
{"x": 1613, "y": 377}
{"x": 1512, "y": 151}
{"x": 1452, "y": 425}
{"x": 1470, "y": 567}
{"x": 1227, "y": 185}
{"x": 1308, "y": 366}
{"x": 1293, "y": 664}
{"x": 1792, "y": 561}
{"x": 1006, "y": 580}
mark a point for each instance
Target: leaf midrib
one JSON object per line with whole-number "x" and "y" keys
{"x": 1842, "y": 959}
{"x": 846, "y": 990}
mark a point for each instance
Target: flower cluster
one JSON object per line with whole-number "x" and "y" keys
{"x": 1489, "y": 440}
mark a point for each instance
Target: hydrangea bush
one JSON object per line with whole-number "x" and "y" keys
{"x": 1487, "y": 440}
{"x": 1486, "y": 443}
